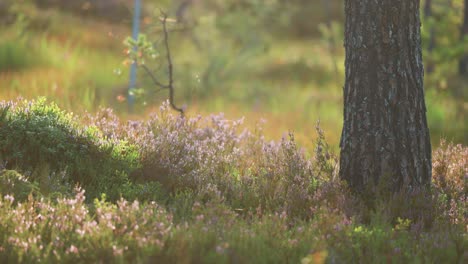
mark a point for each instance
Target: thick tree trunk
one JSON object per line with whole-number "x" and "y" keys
{"x": 385, "y": 133}
{"x": 463, "y": 67}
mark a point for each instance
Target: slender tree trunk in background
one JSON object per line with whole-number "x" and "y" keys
{"x": 331, "y": 40}
{"x": 187, "y": 21}
{"x": 463, "y": 67}
{"x": 385, "y": 133}
{"x": 182, "y": 10}
{"x": 427, "y": 15}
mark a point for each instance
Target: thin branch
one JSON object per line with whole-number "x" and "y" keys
{"x": 158, "y": 68}
{"x": 153, "y": 78}
{"x": 170, "y": 85}
{"x": 159, "y": 90}
{"x": 170, "y": 66}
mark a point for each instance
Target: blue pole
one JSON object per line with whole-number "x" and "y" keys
{"x": 133, "y": 70}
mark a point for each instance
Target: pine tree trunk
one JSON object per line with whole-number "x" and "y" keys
{"x": 385, "y": 133}
{"x": 463, "y": 67}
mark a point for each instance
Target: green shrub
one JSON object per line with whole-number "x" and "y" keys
{"x": 46, "y": 143}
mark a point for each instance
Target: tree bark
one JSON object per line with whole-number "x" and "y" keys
{"x": 385, "y": 133}
{"x": 463, "y": 66}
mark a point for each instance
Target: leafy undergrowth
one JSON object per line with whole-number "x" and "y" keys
{"x": 204, "y": 190}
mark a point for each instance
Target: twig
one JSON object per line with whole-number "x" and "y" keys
{"x": 153, "y": 78}
{"x": 170, "y": 86}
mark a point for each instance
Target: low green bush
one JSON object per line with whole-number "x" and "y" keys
{"x": 49, "y": 145}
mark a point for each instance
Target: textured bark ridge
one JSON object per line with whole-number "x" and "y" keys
{"x": 385, "y": 133}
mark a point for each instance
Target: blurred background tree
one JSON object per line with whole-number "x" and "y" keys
{"x": 463, "y": 68}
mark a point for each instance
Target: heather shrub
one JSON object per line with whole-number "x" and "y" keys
{"x": 216, "y": 234}
{"x": 14, "y": 184}
{"x": 50, "y": 147}
{"x": 214, "y": 156}
{"x": 39, "y": 230}
{"x": 450, "y": 171}
{"x": 450, "y": 181}
{"x": 281, "y": 178}
{"x": 419, "y": 206}
{"x": 182, "y": 154}
{"x": 69, "y": 230}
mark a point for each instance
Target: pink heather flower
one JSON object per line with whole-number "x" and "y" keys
{"x": 293, "y": 242}
{"x": 80, "y": 232}
{"x": 9, "y": 198}
{"x": 73, "y": 249}
{"x": 200, "y": 217}
{"x": 219, "y": 249}
{"x": 117, "y": 251}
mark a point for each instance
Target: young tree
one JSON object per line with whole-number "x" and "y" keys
{"x": 385, "y": 133}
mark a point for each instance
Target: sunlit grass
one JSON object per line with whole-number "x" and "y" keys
{"x": 74, "y": 75}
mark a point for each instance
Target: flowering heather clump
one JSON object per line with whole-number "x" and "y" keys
{"x": 450, "y": 170}
{"x": 65, "y": 230}
{"x": 68, "y": 230}
{"x": 450, "y": 180}
{"x": 182, "y": 153}
{"x": 195, "y": 153}
{"x": 111, "y": 128}
{"x": 281, "y": 178}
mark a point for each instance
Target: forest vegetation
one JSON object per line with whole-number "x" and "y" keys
{"x": 84, "y": 179}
